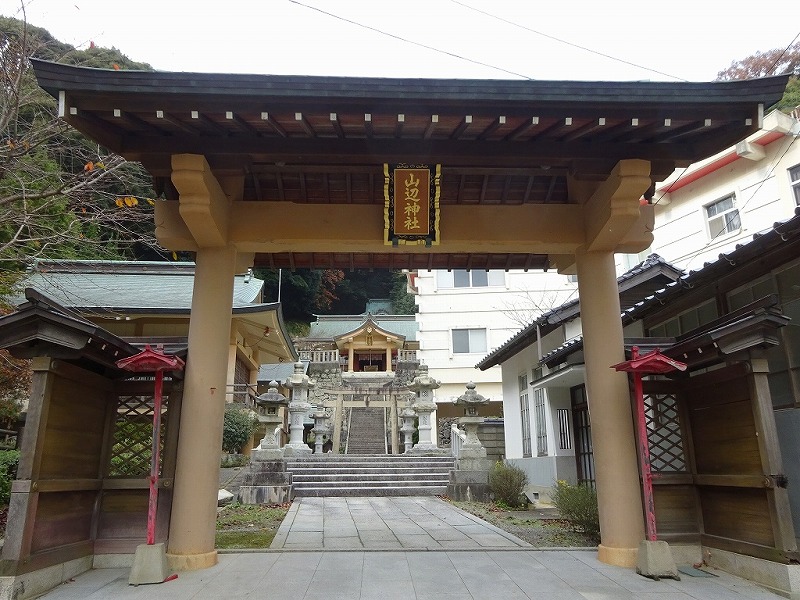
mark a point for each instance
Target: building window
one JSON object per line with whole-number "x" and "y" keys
{"x": 794, "y": 179}
{"x": 474, "y": 278}
{"x": 469, "y": 341}
{"x": 722, "y": 217}
{"x": 525, "y": 415}
{"x": 686, "y": 321}
{"x": 784, "y": 358}
{"x": 541, "y": 422}
{"x": 564, "y": 429}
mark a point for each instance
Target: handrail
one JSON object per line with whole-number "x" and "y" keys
{"x": 457, "y": 439}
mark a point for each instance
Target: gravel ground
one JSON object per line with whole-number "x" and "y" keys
{"x": 540, "y": 527}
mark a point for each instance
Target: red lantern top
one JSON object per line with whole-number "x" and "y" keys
{"x": 149, "y": 361}
{"x": 652, "y": 362}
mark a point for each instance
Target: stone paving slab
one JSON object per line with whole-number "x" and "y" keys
{"x": 402, "y": 522}
{"x": 484, "y": 563}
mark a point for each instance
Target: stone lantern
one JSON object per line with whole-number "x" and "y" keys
{"x": 471, "y": 479}
{"x": 423, "y": 386}
{"x": 320, "y": 429}
{"x": 473, "y": 455}
{"x": 269, "y": 405}
{"x": 407, "y": 417}
{"x": 299, "y": 383}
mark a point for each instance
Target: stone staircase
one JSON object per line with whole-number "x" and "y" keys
{"x": 370, "y": 475}
{"x": 367, "y": 431}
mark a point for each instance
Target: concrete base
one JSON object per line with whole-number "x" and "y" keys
{"x": 296, "y": 451}
{"x": 777, "y": 577}
{"x": 619, "y": 557}
{"x": 266, "y": 482}
{"x": 149, "y": 565}
{"x": 655, "y": 561}
{"x": 469, "y": 486}
{"x": 36, "y": 583}
{"x": 192, "y": 562}
{"x": 260, "y": 454}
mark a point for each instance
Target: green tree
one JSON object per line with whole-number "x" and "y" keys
{"x": 771, "y": 62}
{"x": 402, "y": 300}
{"x": 61, "y": 196}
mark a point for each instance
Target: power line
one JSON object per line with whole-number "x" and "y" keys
{"x": 769, "y": 173}
{"x": 785, "y": 50}
{"x": 561, "y": 41}
{"x": 406, "y": 40}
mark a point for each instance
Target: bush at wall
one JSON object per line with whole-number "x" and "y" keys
{"x": 507, "y": 483}
{"x": 237, "y": 429}
{"x": 9, "y": 459}
{"x": 578, "y": 505}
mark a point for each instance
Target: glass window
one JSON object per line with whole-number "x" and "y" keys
{"x": 525, "y": 415}
{"x": 794, "y": 180}
{"x": 686, "y": 321}
{"x": 461, "y": 278}
{"x": 722, "y": 217}
{"x": 469, "y": 341}
{"x": 541, "y": 421}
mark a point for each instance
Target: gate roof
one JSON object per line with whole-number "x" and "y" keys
{"x": 324, "y": 140}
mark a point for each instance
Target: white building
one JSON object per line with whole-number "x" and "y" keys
{"x": 724, "y": 200}
{"x": 702, "y": 212}
{"x": 462, "y": 315}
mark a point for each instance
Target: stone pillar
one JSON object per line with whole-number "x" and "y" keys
{"x": 393, "y": 417}
{"x": 616, "y": 468}
{"x": 299, "y": 384}
{"x": 350, "y": 359}
{"x": 389, "y": 359}
{"x": 194, "y": 507}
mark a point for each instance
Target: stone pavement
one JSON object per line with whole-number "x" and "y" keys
{"x": 426, "y": 568}
{"x": 386, "y": 523}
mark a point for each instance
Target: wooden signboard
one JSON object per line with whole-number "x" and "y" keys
{"x": 411, "y": 210}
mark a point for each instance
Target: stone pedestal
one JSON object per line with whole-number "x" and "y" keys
{"x": 469, "y": 486}
{"x": 472, "y": 456}
{"x": 266, "y": 482}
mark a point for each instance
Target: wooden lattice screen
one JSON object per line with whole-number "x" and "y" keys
{"x": 131, "y": 446}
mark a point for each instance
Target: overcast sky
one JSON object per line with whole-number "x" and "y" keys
{"x": 497, "y": 39}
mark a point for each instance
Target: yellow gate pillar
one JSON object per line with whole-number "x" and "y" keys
{"x": 193, "y": 521}
{"x": 613, "y": 442}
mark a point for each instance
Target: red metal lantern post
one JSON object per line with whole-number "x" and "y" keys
{"x": 153, "y": 361}
{"x": 649, "y": 364}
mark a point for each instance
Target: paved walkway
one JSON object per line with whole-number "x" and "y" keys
{"x": 386, "y": 523}
{"x": 356, "y": 565}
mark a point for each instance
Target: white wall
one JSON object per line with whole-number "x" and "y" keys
{"x": 501, "y": 309}
{"x": 763, "y": 196}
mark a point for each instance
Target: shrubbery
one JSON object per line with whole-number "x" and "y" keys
{"x": 578, "y": 505}
{"x": 238, "y": 428}
{"x": 507, "y": 483}
{"x": 9, "y": 459}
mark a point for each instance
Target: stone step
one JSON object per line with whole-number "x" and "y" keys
{"x": 367, "y": 477}
{"x": 432, "y": 490}
{"x": 370, "y": 475}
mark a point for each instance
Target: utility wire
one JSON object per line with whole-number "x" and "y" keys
{"x": 785, "y": 50}
{"x": 406, "y": 40}
{"x": 559, "y": 40}
{"x": 741, "y": 208}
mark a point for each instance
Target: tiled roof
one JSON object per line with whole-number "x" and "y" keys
{"x": 645, "y": 278}
{"x": 126, "y": 284}
{"x": 781, "y": 233}
{"x": 328, "y": 327}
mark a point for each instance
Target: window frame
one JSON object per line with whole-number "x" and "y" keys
{"x": 794, "y": 182}
{"x": 470, "y": 349}
{"x": 725, "y": 231}
{"x": 525, "y": 415}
